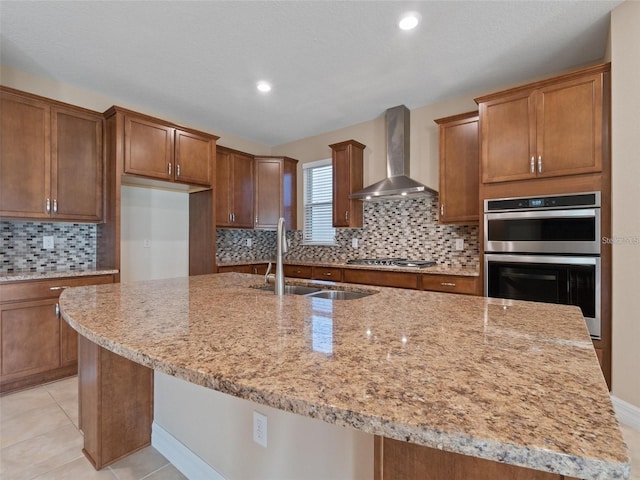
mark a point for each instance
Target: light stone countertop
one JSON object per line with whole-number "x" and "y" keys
{"x": 435, "y": 270}
{"x": 27, "y": 276}
{"x": 509, "y": 381}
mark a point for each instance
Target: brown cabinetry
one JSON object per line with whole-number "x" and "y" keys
{"x": 332, "y": 274}
{"x": 234, "y": 188}
{"x": 380, "y": 278}
{"x": 547, "y": 129}
{"x": 275, "y": 192}
{"x": 297, "y": 271}
{"x": 451, "y": 283}
{"x": 347, "y": 159}
{"x": 162, "y": 151}
{"x": 51, "y": 159}
{"x": 459, "y": 168}
{"x": 36, "y": 344}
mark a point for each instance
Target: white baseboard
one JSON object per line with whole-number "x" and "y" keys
{"x": 189, "y": 464}
{"x": 627, "y": 413}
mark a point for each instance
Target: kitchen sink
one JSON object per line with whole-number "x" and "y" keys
{"x": 339, "y": 294}
{"x": 292, "y": 289}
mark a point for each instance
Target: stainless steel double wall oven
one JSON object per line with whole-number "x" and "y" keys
{"x": 545, "y": 249}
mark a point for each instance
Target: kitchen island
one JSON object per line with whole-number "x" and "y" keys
{"x": 511, "y": 382}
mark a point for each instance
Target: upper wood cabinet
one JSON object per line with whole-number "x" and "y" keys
{"x": 51, "y": 159}
{"x": 459, "y": 168}
{"x": 234, "y": 188}
{"x": 347, "y": 161}
{"x": 547, "y": 129}
{"x": 160, "y": 150}
{"x": 275, "y": 192}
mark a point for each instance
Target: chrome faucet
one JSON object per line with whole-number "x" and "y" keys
{"x": 281, "y": 249}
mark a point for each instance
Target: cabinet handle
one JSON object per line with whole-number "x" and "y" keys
{"x": 233, "y": 217}
{"x": 169, "y": 168}
{"x": 256, "y": 219}
{"x": 327, "y": 274}
{"x": 55, "y": 206}
{"x": 533, "y": 164}
{"x": 48, "y": 207}
{"x": 442, "y": 210}
{"x": 346, "y": 215}
{"x": 177, "y": 169}
{"x": 539, "y": 163}
{"x": 62, "y": 287}
{"x": 57, "y": 310}
{"x": 447, "y": 284}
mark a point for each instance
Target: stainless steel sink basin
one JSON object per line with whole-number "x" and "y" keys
{"x": 292, "y": 289}
{"x": 339, "y": 294}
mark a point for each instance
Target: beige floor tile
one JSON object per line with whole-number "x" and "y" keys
{"x": 31, "y": 424}
{"x": 70, "y": 407}
{"x": 23, "y": 401}
{"x": 63, "y": 389}
{"x": 632, "y": 438}
{"x": 38, "y": 455}
{"x": 138, "y": 465}
{"x": 79, "y": 468}
{"x": 168, "y": 472}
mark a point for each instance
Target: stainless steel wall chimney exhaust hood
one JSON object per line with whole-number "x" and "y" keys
{"x": 398, "y": 184}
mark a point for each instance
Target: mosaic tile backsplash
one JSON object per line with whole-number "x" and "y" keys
{"x": 21, "y": 248}
{"x": 392, "y": 228}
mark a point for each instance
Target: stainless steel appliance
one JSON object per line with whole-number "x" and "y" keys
{"x": 545, "y": 249}
{"x": 391, "y": 262}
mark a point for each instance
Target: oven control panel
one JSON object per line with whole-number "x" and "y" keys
{"x": 577, "y": 200}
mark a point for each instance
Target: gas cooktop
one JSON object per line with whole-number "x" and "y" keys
{"x": 391, "y": 262}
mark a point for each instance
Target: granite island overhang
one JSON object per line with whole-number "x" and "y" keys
{"x": 507, "y": 381}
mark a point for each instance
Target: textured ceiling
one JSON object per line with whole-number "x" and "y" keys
{"x": 331, "y": 63}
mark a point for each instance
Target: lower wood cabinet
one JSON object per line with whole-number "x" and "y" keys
{"x": 331, "y": 274}
{"x": 394, "y": 459}
{"x": 451, "y": 283}
{"x": 297, "y": 271}
{"x": 381, "y": 279}
{"x": 36, "y": 344}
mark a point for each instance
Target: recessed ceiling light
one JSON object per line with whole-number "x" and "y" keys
{"x": 409, "y": 21}
{"x": 263, "y": 86}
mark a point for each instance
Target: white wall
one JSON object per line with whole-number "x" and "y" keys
{"x": 155, "y": 234}
{"x": 219, "y": 429}
{"x": 625, "y": 149}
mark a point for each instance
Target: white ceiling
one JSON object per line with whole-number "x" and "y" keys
{"x": 331, "y": 63}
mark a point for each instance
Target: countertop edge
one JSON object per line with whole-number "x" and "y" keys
{"x": 34, "y": 276}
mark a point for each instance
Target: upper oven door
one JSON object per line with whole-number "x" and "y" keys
{"x": 549, "y": 231}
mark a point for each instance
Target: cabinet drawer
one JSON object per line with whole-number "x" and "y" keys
{"x": 450, "y": 283}
{"x": 327, "y": 273}
{"x": 297, "y": 271}
{"x": 382, "y": 279}
{"x": 32, "y": 290}
{"x": 235, "y": 268}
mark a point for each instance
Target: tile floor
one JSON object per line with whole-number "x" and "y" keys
{"x": 40, "y": 440}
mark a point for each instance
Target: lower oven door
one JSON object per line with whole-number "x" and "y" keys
{"x": 551, "y": 279}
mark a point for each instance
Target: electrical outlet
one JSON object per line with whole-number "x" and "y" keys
{"x": 459, "y": 244}
{"x": 260, "y": 429}
{"x": 146, "y": 243}
{"x": 249, "y": 242}
{"x": 354, "y": 242}
{"x": 47, "y": 242}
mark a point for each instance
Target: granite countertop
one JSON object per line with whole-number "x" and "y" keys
{"x": 435, "y": 270}
{"x": 26, "y": 276}
{"x": 509, "y": 381}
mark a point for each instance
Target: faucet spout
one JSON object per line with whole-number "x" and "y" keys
{"x": 281, "y": 242}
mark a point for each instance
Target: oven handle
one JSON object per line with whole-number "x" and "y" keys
{"x": 561, "y": 260}
{"x": 578, "y": 213}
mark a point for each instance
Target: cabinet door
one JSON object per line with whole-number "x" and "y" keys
{"x": 224, "y": 188}
{"x": 242, "y": 190}
{"x": 508, "y": 137}
{"x": 68, "y": 344}
{"x": 25, "y": 158}
{"x": 459, "y": 170}
{"x": 77, "y": 165}
{"x": 347, "y": 160}
{"x": 148, "y": 148}
{"x": 29, "y": 338}
{"x": 268, "y": 192}
{"x": 192, "y": 158}
{"x": 569, "y": 127}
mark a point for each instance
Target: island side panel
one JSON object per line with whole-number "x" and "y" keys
{"x": 116, "y": 404}
{"x": 395, "y": 459}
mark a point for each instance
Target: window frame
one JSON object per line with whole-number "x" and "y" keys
{"x": 306, "y": 167}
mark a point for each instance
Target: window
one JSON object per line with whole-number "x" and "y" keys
{"x": 318, "y": 203}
